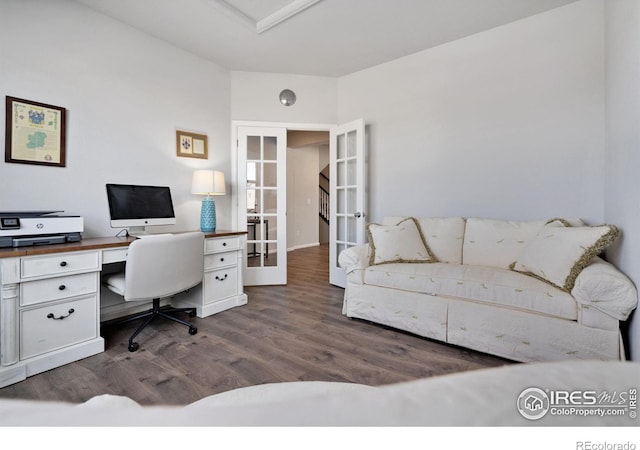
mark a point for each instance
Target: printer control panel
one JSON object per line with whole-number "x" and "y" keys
{"x": 9, "y": 223}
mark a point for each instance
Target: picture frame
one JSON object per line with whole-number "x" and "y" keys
{"x": 35, "y": 133}
{"x": 192, "y": 145}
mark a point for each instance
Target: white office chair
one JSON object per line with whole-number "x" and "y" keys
{"x": 158, "y": 267}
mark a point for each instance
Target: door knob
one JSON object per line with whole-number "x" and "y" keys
{"x": 358, "y": 215}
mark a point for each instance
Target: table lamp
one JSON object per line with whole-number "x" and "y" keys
{"x": 208, "y": 182}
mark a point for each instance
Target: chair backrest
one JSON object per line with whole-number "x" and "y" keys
{"x": 160, "y": 266}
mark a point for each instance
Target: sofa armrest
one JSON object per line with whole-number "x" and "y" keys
{"x": 354, "y": 258}
{"x": 602, "y": 286}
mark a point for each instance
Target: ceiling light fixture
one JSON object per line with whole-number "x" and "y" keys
{"x": 287, "y": 97}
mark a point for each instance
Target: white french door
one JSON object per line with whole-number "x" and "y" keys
{"x": 348, "y": 205}
{"x": 262, "y": 196}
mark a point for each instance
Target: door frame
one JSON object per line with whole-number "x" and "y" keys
{"x": 235, "y": 124}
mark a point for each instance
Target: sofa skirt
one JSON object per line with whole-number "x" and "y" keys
{"x": 509, "y": 333}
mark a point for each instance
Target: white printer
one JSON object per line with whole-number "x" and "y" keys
{"x": 19, "y": 229}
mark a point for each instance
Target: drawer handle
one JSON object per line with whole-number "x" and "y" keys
{"x": 221, "y": 259}
{"x": 62, "y": 287}
{"x": 223, "y": 278}
{"x": 63, "y": 264}
{"x": 51, "y": 316}
{"x": 224, "y": 244}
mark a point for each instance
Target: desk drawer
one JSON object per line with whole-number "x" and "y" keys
{"x": 220, "y": 284}
{"x": 221, "y": 244}
{"x": 52, "y": 327}
{"x": 220, "y": 260}
{"x": 114, "y": 255}
{"x": 33, "y": 292}
{"x": 60, "y": 263}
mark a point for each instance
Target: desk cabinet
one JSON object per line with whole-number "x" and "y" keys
{"x": 48, "y": 312}
{"x": 222, "y": 287}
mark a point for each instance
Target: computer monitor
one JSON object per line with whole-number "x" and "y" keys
{"x": 135, "y": 207}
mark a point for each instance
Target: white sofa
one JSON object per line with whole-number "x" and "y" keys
{"x": 526, "y": 291}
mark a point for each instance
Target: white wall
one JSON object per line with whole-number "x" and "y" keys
{"x": 125, "y": 93}
{"x": 507, "y": 123}
{"x": 255, "y": 97}
{"x": 622, "y": 193}
{"x": 302, "y": 196}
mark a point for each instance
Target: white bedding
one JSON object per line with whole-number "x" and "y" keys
{"x": 485, "y": 397}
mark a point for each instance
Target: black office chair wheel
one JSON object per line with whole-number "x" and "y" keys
{"x": 193, "y": 330}
{"x": 133, "y": 346}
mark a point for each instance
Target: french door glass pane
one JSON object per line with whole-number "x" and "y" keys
{"x": 351, "y": 144}
{"x": 341, "y": 180}
{"x": 254, "y": 173}
{"x": 351, "y": 200}
{"x": 339, "y": 248}
{"x": 270, "y": 174}
{"x": 340, "y": 228}
{"x": 351, "y": 229}
{"x": 253, "y": 148}
{"x": 341, "y": 202}
{"x": 351, "y": 172}
{"x": 270, "y": 148}
{"x": 251, "y": 197}
{"x": 270, "y": 200}
{"x": 340, "y": 144}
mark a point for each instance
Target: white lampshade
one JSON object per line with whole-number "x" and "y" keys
{"x": 208, "y": 182}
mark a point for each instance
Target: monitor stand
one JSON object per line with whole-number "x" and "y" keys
{"x": 141, "y": 232}
{"x": 137, "y": 231}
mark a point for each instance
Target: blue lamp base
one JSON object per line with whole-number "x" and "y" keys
{"x": 208, "y": 215}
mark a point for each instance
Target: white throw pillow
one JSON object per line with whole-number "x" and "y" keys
{"x": 401, "y": 243}
{"x": 443, "y": 235}
{"x": 495, "y": 242}
{"x": 558, "y": 254}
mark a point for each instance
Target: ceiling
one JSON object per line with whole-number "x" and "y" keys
{"x": 313, "y": 37}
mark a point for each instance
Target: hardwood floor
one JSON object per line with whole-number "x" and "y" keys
{"x": 286, "y": 333}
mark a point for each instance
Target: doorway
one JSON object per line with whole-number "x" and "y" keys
{"x": 308, "y": 197}
{"x": 263, "y": 146}
{"x": 261, "y": 172}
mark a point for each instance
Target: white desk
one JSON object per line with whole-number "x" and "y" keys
{"x": 50, "y": 298}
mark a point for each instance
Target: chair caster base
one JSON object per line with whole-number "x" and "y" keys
{"x": 133, "y": 346}
{"x": 193, "y": 330}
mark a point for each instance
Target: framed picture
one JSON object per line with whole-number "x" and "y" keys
{"x": 191, "y": 145}
{"x": 35, "y": 133}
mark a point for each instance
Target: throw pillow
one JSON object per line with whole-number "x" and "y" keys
{"x": 401, "y": 243}
{"x": 495, "y": 242}
{"x": 558, "y": 254}
{"x": 443, "y": 235}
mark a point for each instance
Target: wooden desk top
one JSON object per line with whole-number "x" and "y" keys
{"x": 100, "y": 243}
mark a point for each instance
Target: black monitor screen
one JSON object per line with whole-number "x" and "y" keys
{"x": 131, "y": 202}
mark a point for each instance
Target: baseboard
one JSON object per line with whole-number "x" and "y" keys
{"x": 298, "y": 247}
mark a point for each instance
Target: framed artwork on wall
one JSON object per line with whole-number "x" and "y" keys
{"x": 191, "y": 145}
{"x": 34, "y": 133}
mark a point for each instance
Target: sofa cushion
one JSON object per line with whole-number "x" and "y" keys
{"x": 558, "y": 254}
{"x": 402, "y": 242}
{"x": 444, "y": 235}
{"x": 476, "y": 283}
{"x": 496, "y": 243}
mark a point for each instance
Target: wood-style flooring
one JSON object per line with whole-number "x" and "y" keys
{"x": 285, "y": 333}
